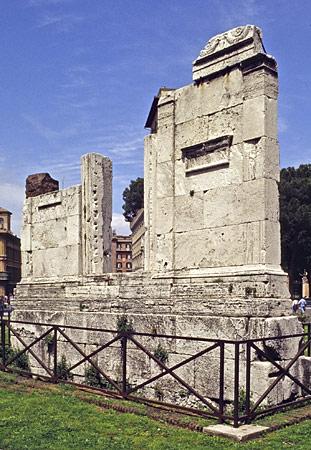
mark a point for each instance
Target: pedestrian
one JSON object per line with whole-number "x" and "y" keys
{"x": 302, "y": 305}
{"x": 295, "y": 305}
{"x": 1, "y": 306}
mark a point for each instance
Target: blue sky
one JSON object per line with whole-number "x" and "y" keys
{"x": 79, "y": 76}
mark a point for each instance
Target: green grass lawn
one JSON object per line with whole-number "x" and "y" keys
{"x": 58, "y": 417}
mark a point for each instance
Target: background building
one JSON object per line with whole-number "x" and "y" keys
{"x": 121, "y": 253}
{"x": 10, "y": 255}
{"x": 138, "y": 232}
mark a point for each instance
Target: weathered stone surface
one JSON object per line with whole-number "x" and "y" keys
{"x": 40, "y": 183}
{"x": 96, "y": 213}
{"x": 241, "y": 434}
{"x": 68, "y": 232}
{"x": 212, "y": 164}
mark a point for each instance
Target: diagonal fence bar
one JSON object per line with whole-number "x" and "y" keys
{"x": 28, "y": 348}
{"x": 284, "y": 372}
{"x": 177, "y": 378}
{"x": 112, "y": 382}
{"x": 171, "y": 369}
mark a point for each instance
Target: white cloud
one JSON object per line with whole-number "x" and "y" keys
{"x": 282, "y": 125}
{"x": 47, "y": 132}
{"x": 47, "y": 2}
{"x": 241, "y": 12}
{"x": 62, "y": 22}
{"x": 119, "y": 225}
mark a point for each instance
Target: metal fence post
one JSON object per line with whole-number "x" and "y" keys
{"x": 309, "y": 337}
{"x": 236, "y": 384}
{"x": 3, "y": 340}
{"x": 248, "y": 381}
{"x": 124, "y": 363}
{"x": 221, "y": 379}
{"x": 55, "y": 374}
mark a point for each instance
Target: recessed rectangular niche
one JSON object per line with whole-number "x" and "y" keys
{"x": 49, "y": 205}
{"x": 206, "y": 156}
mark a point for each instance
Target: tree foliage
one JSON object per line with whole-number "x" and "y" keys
{"x": 133, "y": 197}
{"x": 295, "y": 218}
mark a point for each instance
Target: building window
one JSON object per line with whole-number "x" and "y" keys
{"x": 1, "y": 223}
{"x": 119, "y": 256}
{"x": 129, "y": 256}
{"x": 128, "y": 246}
{"x": 128, "y": 265}
{"x": 119, "y": 265}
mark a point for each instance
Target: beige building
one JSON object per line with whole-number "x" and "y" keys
{"x": 121, "y": 253}
{"x": 138, "y": 232}
{"x": 10, "y": 255}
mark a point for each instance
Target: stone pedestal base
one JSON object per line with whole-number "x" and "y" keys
{"x": 229, "y": 308}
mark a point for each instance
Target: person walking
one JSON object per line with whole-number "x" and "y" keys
{"x": 302, "y": 305}
{"x": 295, "y": 305}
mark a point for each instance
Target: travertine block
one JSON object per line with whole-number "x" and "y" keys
{"x": 189, "y": 210}
{"x": 245, "y": 202}
{"x": 165, "y": 144}
{"x": 164, "y": 250}
{"x": 49, "y": 234}
{"x": 164, "y": 216}
{"x": 209, "y": 97}
{"x": 261, "y": 159}
{"x": 259, "y": 118}
{"x": 56, "y": 262}
{"x": 270, "y": 243}
{"x": 26, "y": 242}
{"x": 258, "y": 83}
{"x": 227, "y": 121}
{"x": 165, "y": 175}
{"x": 184, "y": 136}
{"x": 210, "y": 247}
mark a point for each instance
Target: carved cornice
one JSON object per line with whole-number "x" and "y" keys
{"x": 223, "y": 41}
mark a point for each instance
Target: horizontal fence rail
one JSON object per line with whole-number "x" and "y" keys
{"x": 229, "y": 372}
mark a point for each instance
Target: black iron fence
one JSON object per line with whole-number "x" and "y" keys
{"x": 235, "y": 365}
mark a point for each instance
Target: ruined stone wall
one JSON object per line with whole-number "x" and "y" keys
{"x": 67, "y": 233}
{"x": 212, "y": 164}
{"x": 51, "y": 235}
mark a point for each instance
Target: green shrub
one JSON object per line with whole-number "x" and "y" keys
{"x": 63, "y": 370}
{"x": 49, "y": 342}
{"x": 21, "y": 361}
{"x": 124, "y": 325}
{"x": 161, "y": 354}
{"x": 93, "y": 378}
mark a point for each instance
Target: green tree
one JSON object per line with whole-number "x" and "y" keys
{"x": 295, "y": 218}
{"x": 133, "y": 197}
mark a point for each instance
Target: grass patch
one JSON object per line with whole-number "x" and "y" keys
{"x": 38, "y": 415}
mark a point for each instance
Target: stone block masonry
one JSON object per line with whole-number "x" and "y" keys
{"x": 67, "y": 233}
{"x": 212, "y": 164}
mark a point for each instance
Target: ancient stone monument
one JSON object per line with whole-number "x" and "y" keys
{"x": 67, "y": 233}
{"x": 212, "y": 242}
{"x": 212, "y": 165}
